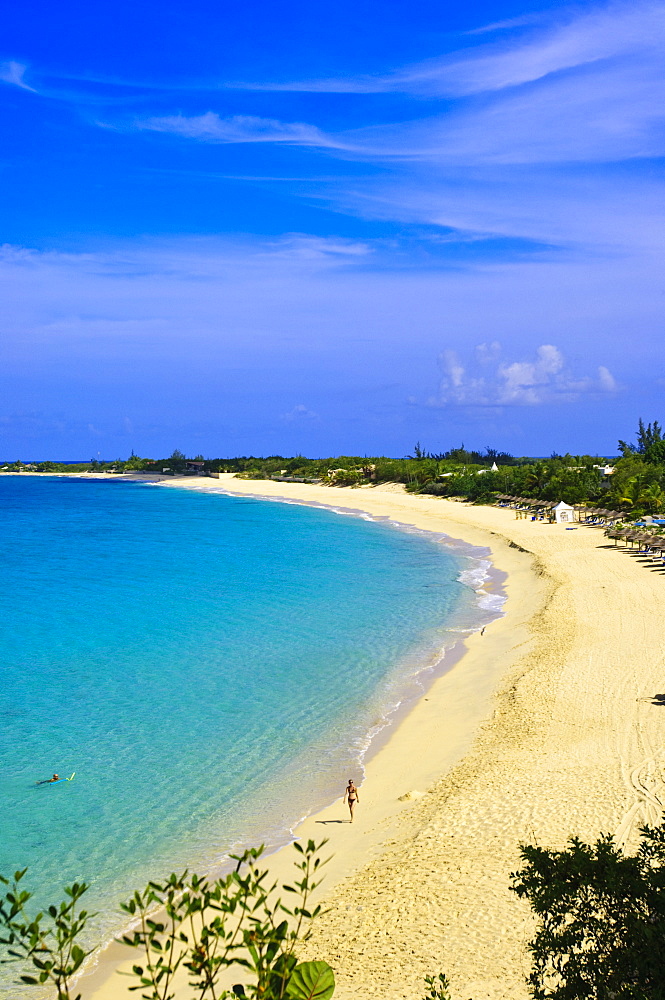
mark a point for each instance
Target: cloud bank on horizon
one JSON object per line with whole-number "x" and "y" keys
{"x": 410, "y": 243}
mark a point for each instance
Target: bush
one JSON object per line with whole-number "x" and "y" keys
{"x": 204, "y": 926}
{"x": 601, "y": 934}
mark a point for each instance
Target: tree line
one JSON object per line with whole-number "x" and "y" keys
{"x": 633, "y": 482}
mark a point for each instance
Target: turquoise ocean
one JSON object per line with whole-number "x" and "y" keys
{"x": 212, "y": 667}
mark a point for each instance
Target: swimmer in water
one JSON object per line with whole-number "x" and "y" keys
{"x": 351, "y": 793}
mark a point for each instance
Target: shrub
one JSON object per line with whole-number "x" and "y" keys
{"x": 205, "y": 926}
{"x": 601, "y": 933}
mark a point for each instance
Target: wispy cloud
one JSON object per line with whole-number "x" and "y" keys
{"x": 604, "y": 115}
{"x": 609, "y": 115}
{"x": 607, "y": 32}
{"x": 587, "y": 88}
{"x": 318, "y": 249}
{"x": 486, "y": 381}
{"x": 590, "y": 90}
{"x": 210, "y": 127}
{"x": 578, "y": 211}
{"x": 14, "y": 72}
{"x": 507, "y": 25}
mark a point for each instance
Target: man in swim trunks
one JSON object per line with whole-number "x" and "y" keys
{"x": 351, "y": 793}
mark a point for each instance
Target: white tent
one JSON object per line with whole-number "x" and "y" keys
{"x": 564, "y": 513}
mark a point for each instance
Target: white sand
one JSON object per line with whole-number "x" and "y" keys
{"x": 545, "y": 728}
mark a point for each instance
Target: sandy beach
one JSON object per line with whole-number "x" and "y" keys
{"x": 546, "y": 727}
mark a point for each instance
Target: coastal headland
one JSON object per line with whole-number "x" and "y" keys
{"x": 549, "y": 725}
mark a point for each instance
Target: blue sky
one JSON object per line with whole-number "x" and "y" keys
{"x": 332, "y": 228}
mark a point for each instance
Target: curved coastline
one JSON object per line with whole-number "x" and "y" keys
{"x": 425, "y": 673}
{"x": 442, "y": 720}
{"x": 549, "y": 727}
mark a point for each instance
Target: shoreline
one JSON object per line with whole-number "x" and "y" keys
{"x": 444, "y": 717}
{"x": 550, "y": 726}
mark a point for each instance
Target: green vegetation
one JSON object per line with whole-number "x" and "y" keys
{"x": 238, "y": 921}
{"x": 49, "y": 947}
{"x": 600, "y": 932}
{"x": 600, "y": 913}
{"x": 634, "y": 483}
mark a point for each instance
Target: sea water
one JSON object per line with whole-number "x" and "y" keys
{"x": 212, "y": 667}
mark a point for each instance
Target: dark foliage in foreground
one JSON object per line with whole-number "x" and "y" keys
{"x": 601, "y": 933}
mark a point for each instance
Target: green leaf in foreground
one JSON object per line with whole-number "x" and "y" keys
{"x": 311, "y": 981}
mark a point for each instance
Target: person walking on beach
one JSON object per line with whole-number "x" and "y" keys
{"x": 351, "y": 793}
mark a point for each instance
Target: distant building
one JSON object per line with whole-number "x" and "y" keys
{"x": 195, "y": 468}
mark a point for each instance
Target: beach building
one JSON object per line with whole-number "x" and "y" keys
{"x": 195, "y": 468}
{"x": 563, "y": 513}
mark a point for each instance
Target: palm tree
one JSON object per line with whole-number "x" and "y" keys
{"x": 636, "y": 493}
{"x": 653, "y": 498}
{"x": 632, "y": 490}
{"x": 537, "y": 476}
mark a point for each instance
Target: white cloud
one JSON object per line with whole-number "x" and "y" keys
{"x": 601, "y": 114}
{"x": 607, "y": 381}
{"x": 210, "y": 127}
{"x": 544, "y": 378}
{"x": 486, "y": 353}
{"x": 300, "y": 412}
{"x": 577, "y": 39}
{"x": 527, "y": 381}
{"x": 591, "y": 90}
{"x": 13, "y": 72}
{"x": 608, "y": 32}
